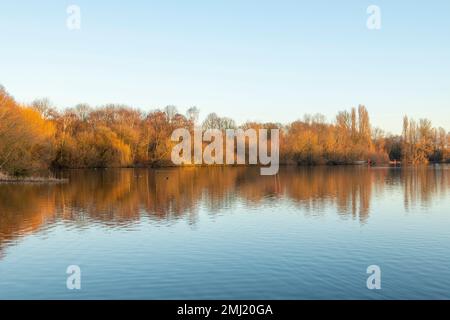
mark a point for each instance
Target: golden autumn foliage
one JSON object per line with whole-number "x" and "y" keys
{"x": 422, "y": 143}
{"x": 37, "y": 136}
{"x": 350, "y": 138}
{"x": 26, "y": 139}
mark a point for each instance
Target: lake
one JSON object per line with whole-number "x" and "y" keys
{"x": 229, "y": 233}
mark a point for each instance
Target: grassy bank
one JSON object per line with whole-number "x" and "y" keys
{"x": 4, "y": 178}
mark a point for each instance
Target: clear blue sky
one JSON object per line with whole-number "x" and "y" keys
{"x": 249, "y": 60}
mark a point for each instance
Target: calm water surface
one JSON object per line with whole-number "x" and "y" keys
{"x": 213, "y": 233}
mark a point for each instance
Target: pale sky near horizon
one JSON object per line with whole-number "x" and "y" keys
{"x": 248, "y": 60}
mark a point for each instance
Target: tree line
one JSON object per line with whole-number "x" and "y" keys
{"x": 37, "y": 136}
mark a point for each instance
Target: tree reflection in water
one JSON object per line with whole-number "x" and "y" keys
{"x": 120, "y": 197}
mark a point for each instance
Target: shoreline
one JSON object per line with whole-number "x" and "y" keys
{"x": 281, "y": 164}
{"x": 30, "y": 180}
{"x": 6, "y": 179}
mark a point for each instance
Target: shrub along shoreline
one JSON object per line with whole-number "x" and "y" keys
{"x": 32, "y": 179}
